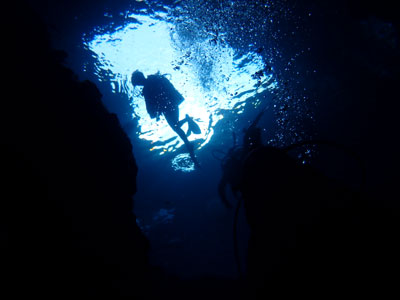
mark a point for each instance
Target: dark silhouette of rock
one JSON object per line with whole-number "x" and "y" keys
{"x": 311, "y": 234}
{"x": 69, "y": 176}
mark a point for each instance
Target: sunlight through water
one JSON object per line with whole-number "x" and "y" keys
{"x": 211, "y": 75}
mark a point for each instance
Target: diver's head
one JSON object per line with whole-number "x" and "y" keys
{"x": 138, "y": 78}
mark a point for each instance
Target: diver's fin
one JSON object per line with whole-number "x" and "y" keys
{"x": 193, "y": 127}
{"x": 181, "y": 122}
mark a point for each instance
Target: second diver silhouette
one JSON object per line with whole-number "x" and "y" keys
{"x": 163, "y": 99}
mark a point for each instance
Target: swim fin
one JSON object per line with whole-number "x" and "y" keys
{"x": 193, "y": 127}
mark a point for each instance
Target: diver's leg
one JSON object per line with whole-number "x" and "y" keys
{"x": 181, "y": 122}
{"x": 172, "y": 118}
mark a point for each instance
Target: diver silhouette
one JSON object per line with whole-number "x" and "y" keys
{"x": 292, "y": 209}
{"x": 232, "y": 163}
{"x": 163, "y": 99}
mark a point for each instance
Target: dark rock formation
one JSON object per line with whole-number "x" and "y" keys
{"x": 312, "y": 235}
{"x": 68, "y": 178}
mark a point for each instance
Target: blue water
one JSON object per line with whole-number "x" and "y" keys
{"x": 224, "y": 58}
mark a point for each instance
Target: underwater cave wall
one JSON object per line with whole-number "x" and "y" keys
{"x": 69, "y": 175}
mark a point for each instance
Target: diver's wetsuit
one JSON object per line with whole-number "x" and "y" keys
{"x": 162, "y": 98}
{"x": 172, "y": 117}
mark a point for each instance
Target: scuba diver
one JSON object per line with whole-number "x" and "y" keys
{"x": 232, "y": 163}
{"x": 163, "y": 99}
{"x": 302, "y": 222}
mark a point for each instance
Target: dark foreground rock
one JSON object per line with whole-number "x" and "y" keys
{"x": 68, "y": 178}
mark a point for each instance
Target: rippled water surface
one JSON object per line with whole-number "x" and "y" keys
{"x": 218, "y": 54}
